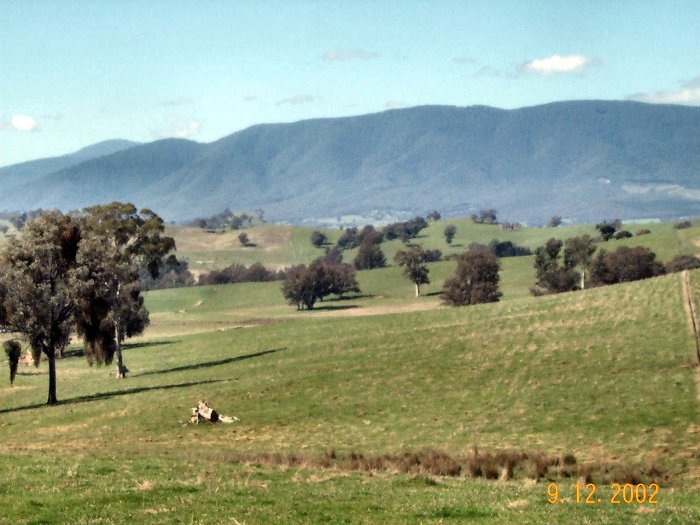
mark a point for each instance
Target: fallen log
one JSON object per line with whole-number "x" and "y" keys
{"x": 203, "y": 412}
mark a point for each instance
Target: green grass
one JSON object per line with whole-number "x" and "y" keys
{"x": 606, "y": 374}
{"x": 281, "y": 246}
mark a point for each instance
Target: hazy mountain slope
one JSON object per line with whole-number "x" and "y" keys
{"x": 28, "y": 171}
{"x": 119, "y": 176}
{"x": 586, "y": 160}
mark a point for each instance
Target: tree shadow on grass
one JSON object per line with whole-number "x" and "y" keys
{"x": 432, "y": 294}
{"x": 349, "y": 298}
{"x": 333, "y": 307}
{"x": 208, "y": 364}
{"x": 114, "y": 393}
{"x": 80, "y": 352}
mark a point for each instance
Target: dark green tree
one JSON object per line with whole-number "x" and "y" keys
{"x": 39, "y": 276}
{"x": 450, "y": 231}
{"x": 475, "y": 280}
{"x": 127, "y": 240}
{"x": 318, "y": 239}
{"x": 369, "y": 256}
{"x": 553, "y": 277}
{"x": 578, "y": 252}
{"x": 413, "y": 261}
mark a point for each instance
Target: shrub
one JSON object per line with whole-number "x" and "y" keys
{"x": 683, "y": 225}
{"x": 682, "y": 262}
{"x": 623, "y": 234}
{"x": 475, "y": 280}
{"x": 643, "y": 231}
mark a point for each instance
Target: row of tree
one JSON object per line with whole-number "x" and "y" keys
{"x": 80, "y": 274}
{"x": 573, "y": 264}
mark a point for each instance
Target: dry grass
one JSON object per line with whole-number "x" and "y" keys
{"x": 502, "y": 466}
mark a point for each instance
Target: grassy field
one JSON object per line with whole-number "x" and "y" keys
{"x": 606, "y": 375}
{"x": 280, "y": 246}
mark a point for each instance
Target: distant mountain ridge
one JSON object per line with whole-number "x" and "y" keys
{"x": 586, "y": 160}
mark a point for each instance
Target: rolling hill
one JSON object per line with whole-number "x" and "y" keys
{"x": 584, "y": 160}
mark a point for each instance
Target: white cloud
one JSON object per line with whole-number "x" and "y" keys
{"x": 463, "y": 60}
{"x": 182, "y": 101}
{"x": 344, "y": 55}
{"x": 19, "y": 123}
{"x": 688, "y": 94}
{"x": 393, "y": 104}
{"x": 297, "y": 100}
{"x": 557, "y": 64}
{"x": 178, "y": 127}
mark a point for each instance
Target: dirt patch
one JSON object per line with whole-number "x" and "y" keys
{"x": 378, "y": 310}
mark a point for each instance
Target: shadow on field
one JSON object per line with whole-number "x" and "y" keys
{"x": 114, "y": 393}
{"x": 80, "y": 352}
{"x": 333, "y": 307}
{"x": 208, "y": 364}
{"x": 350, "y": 298}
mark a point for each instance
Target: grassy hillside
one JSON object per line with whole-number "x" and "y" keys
{"x": 607, "y": 375}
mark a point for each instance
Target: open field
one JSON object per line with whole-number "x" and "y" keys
{"x": 607, "y": 375}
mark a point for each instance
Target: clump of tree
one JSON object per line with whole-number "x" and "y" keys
{"x": 228, "y": 220}
{"x": 304, "y": 285}
{"x": 578, "y": 252}
{"x": 623, "y": 265}
{"x": 66, "y": 273}
{"x": 369, "y": 257}
{"x": 318, "y": 238}
{"x": 173, "y": 273}
{"x": 238, "y": 273}
{"x": 414, "y": 266}
{"x": 245, "y": 240}
{"x": 19, "y": 219}
{"x": 449, "y": 232}
{"x": 475, "y": 280}
{"x": 511, "y": 226}
{"x": 555, "y": 274}
{"x": 682, "y": 262}
{"x": 489, "y": 216}
{"x": 405, "y": 231}
{"x": 682, "y": 225}
{"x": 554, "y": 221}
{"x": 503, "y": 248}
{"x": 622, "y": 234}
{"x": 353, "y": 237}
{"x": 433, "y": 216}
{"x": 607, "y": 229}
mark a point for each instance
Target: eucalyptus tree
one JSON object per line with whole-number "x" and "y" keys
{"x": 119, "y": 240}
{"x": 38, "y": 279}
{"x": 413, "y": 261}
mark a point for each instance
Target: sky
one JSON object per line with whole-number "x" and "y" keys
{"x": 74, "y": 73}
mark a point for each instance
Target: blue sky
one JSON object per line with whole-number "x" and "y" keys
{"x": 76, "y": 73}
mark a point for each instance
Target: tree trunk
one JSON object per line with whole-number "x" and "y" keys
{"x": 121, "y": 369}
{"x": 52, "y": 378}
{"x": 417, "y": 290}
{"x": 583, "y": 278}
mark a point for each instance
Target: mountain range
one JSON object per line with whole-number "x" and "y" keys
{"x": 582, "y": 160}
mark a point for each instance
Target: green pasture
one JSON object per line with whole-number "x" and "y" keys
{"x": 606, "y": 374}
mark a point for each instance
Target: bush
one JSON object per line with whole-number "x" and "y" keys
{"x": 318, "y": 239}
{"x": 682, "y": 262}
{"x": 683, "y": 225}
{"x": 643, "y": 231}
{"x": 369, "y": 256}
{"x": 475, "y": 280}
{"x": 625, "y": 264}
{"x": 623, "y": 234}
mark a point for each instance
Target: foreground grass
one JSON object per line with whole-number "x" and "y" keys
{"x": 606, "y": 374}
